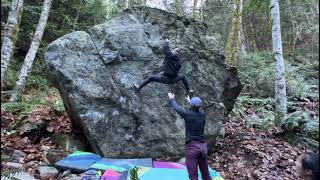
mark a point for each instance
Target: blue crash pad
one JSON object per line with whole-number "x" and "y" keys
{"x": 78, "y": 161}
{"x": 120, "y": 165}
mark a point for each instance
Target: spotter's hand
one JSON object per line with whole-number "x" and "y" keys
{"x": 171, "y": 95}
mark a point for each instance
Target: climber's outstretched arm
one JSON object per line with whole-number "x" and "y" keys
{"x": 180, "y": 110}
{"x": 166, "y": 48}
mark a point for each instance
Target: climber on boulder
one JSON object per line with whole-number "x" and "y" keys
{"x": 171, "y": 67}
{"x": 196, "y": 146}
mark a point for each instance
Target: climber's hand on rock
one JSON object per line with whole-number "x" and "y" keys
{"x": 171, "y": 95}
{"x": 188, "y": 99}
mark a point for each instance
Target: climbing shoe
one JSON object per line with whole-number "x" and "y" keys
{"x": 190, "y": 93}
{"x": 136, "y": 88}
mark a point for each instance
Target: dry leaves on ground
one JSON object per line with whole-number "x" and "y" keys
{"x": 254, "y": 154}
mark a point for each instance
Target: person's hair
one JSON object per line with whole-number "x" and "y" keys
{"x": 310, "y": 161}
{"x": 195, "y": 108}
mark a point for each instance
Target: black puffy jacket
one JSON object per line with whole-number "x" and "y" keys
{"x": 171, "y": 63}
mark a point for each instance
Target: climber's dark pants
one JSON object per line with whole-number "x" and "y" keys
{"x": 165, "y": 79}
{"x": 196, "y": 155}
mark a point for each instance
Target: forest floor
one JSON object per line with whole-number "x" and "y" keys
{"x": 245, "y": 153}
{"x": 250, "y": 153}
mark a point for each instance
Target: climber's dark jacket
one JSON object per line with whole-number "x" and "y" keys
{"x": 171, "y": 64}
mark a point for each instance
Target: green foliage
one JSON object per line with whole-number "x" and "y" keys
{"x": 36, "y": 80}
{"x": 11, "y": 78}
{"x": 218, "y": 17}
{"x": 26, "y": 106}
{"x": 58, "y": 106}
{"x": 65, "y": 16}
{"x": 303, "y": 141}
{"x": 257, "y": 74}
{"x": 257, "y": 113}
{"x": 256, "y": 5}
{"x": 134, "y": 173}
{"x": 300, "y": 27}
{"x": 263, "y": 120}
{"x": 113, "y": 8}
{"x": 10, "y": 173}
{"x": 256, "y": 102}
{"x": 304, "y": 122}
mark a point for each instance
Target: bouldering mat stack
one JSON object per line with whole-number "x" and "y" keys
{"x": 118, "y": 169}
{"x": 78, "y": 161}
{"x": 92, "y": 166}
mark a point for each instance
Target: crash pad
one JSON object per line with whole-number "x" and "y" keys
{"x": 103, "y": 165}
{"x": 109, "y": 174}
{"x": 91, "y": 175}
{"x": 172, "y": 165}
{"x": 145, "y": 173}
{"x": 145, "y": 162}
{"x": 120, "y": 165}
{"x": 78, "y": 161}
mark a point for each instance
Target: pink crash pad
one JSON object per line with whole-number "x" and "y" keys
{"x": 110, "y": 175}
{"x": 172, "y": 165}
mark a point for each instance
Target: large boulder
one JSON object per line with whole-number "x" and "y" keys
{"x": 95, "y": 72}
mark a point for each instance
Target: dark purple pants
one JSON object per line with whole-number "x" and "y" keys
{"x": 196, "y": 155}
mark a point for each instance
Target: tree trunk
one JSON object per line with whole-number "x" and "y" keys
{"x": 127, "y": 3}
{"x": 179, "y": 10}
{"x": 243, "y": 48}
{"x": 27, "y": 65}
{"x": 233, "y": 42}
{"x": 10, "y": 36}
{"x": 195, "y": 2}
{"x": 280, "y": 89}
{"x": 177, "y": 6}
{"x": 201, "y": 10}
{"x": 294, "y": 32}
{"x": 75, "y": 23}
{"x": 253, "y": 42}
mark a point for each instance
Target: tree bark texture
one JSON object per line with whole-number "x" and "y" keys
{"x": 194, "y": 8}
{"x": 294, "y": 32}
{"x": 280, "y": 85}
{"x": 127, "y": 3}
{"x": 233, "y": 42}
{"x": 10, "y": 36}
{"x": 179, "y": 10}
{"x": 29, "y": 59}
{"x": 243, "y": 48}
{"x": 201, "y": 10}
{"x": 75, "y": 23}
